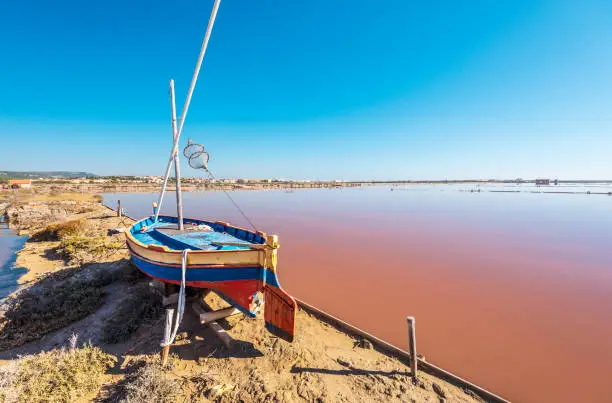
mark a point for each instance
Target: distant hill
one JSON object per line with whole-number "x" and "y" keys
{"x": 43, "y": 174}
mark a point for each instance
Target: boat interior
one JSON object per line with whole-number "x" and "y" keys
{"x": 196, "y": 235}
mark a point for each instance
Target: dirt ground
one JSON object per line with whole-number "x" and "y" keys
{"x": 322, "y": 364}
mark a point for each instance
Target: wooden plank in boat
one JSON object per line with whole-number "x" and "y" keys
{"x": 175, "y": 231}
{"x": 244, "y": 244}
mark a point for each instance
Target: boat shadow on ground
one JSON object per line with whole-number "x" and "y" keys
{"x": 194, "y": 341}
{"x": 203, "y": 343}
{"x": 206, "y": 349}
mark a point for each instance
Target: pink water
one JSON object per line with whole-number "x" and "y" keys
{"x": 512, "y": 291}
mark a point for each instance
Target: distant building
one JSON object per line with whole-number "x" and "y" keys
{"x": 20, "y": 183}
{"x": 540, "y": 182}
{"x": 150, "y": 179}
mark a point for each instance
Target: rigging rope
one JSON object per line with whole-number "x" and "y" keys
{"x": 181, "y": 301}
{"x": 234, "y": 202}
{"x": 197, "y": 158}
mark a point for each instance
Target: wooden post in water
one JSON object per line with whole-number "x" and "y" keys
{"x": 412, "y": 345}
{"x": 118, "y": 208}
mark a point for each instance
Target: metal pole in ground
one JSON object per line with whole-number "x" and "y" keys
{"x": 412, "y": 345}
{"x": 170, "y": 301}
{"x": 167, "y": 334}
{"x": 118, "y": 208}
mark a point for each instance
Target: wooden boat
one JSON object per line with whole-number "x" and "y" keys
{"x": 238, "y": 264}
{"x": 234, "y": 262}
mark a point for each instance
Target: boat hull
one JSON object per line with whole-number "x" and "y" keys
{"x": 236, "y": 275}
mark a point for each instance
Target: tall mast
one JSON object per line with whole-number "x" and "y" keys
{"x": 177, "y": 167}
{"x": 194, "y": 79}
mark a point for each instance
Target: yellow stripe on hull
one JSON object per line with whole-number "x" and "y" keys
{"x": 265, "y": 258}
{"x": 197, "y": 257}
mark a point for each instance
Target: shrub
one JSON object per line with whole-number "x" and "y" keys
{"x": 150, "y": 384}
{"x": 85, "y": 209}
{"x": 81, "y": 249}
{"x": 60, "y": 231}
{"x": 55, "y": 376}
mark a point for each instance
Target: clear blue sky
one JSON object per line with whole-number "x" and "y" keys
{"x": 312, "y": 89}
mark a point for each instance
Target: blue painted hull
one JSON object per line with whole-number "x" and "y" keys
{"x": 237, "y": 275}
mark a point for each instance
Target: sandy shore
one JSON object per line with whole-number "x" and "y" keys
{"x": 324, "y": 363}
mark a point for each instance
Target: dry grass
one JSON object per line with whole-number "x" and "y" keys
{"x": 141, "y": 306}
{"x": 25, "y": 196}
{"x": 61, "y": 230}
{"x": 51, "y": 197}
{"x": 150, "y": 383}
{"x": 79, "y": 249}
{"x": 79, "y": 242}
{"x": 85, "y": 209}
{"x": 55, "y": 376}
